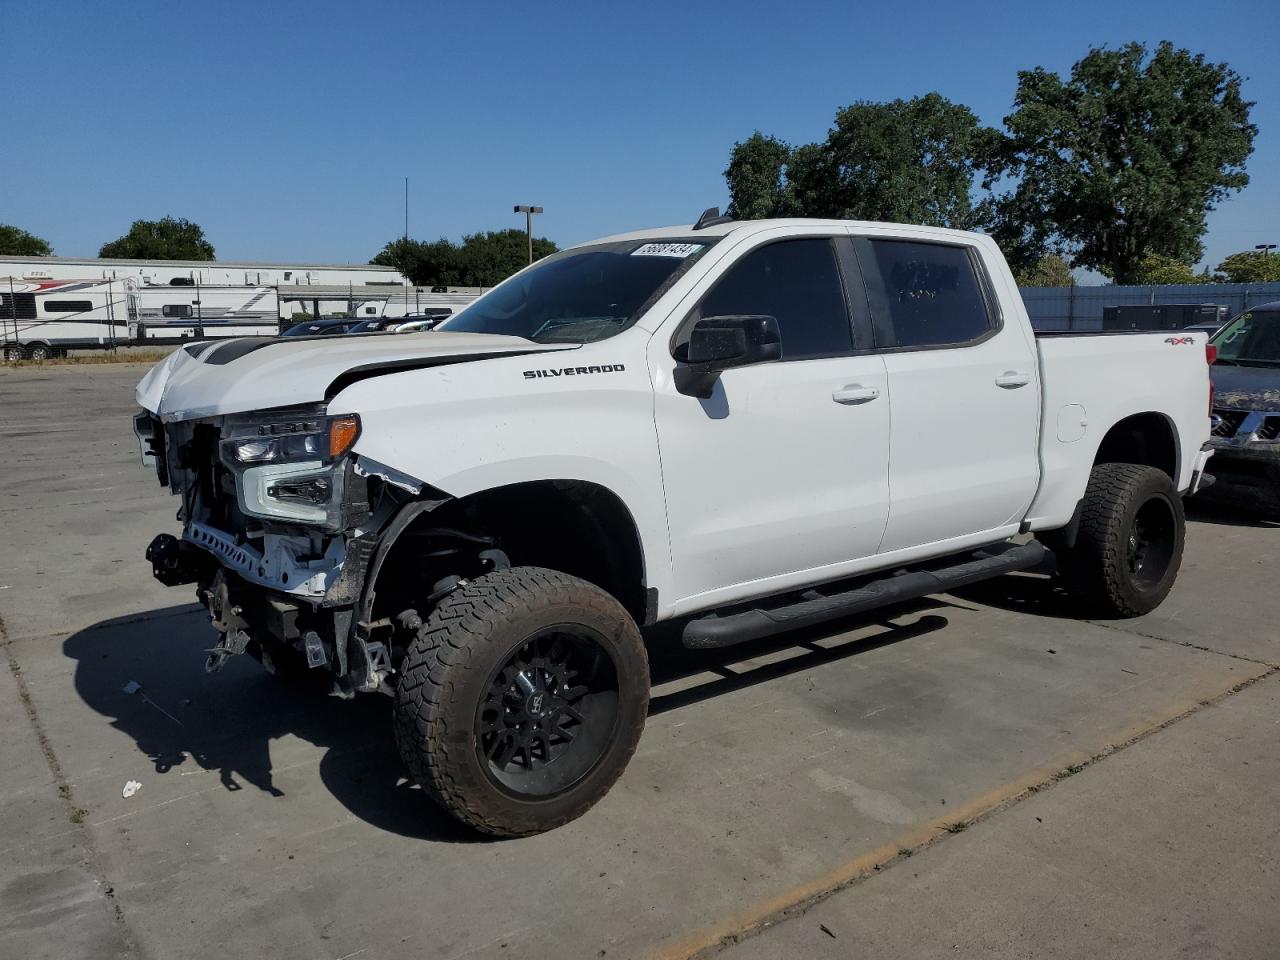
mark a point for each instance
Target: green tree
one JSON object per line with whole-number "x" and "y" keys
{"x": 757, "y": 177}
{"x": 1121, "y": 160}
{"x": 16, "y": 242}
{"x": 425, "y": 264}
{"x": 1050, "y": 270}
{"x": 910, "y": 161}
{"x": 1153, "y": 268}
{"x": 481, "y": 260}
{"x": 164, "y": 239}
{"x": 486, "y": 259}
{"x": 1249, "y": 266}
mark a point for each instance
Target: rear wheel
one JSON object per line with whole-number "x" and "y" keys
{"x": 1128, "y": 547}
{"x": 521, "y": 700}
{"x": 14, "y": 352}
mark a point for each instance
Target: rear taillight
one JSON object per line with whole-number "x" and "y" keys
{"x": 1210, "y": 356}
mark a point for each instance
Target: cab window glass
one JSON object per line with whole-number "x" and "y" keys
{"x": 923, "y": 294}
{"x": 798, "y": 283}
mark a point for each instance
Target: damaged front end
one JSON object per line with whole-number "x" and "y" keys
{"x": 281, "y": 523}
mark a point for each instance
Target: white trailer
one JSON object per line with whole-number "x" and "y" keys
{"x": 180, "y": 313}
{"x": 45, "y": 318}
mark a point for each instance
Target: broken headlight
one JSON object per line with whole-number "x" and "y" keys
{"x": 325, "y": 439}
{"x": 292, "y": 469}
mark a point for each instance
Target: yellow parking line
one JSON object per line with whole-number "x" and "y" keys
{"x": 758, "y": 916}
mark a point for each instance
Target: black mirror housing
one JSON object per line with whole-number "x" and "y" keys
{"x": 718, "y": 343}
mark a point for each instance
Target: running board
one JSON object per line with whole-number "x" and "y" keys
{"x": 724, "y": 631}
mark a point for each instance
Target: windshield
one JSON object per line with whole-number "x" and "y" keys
{"x": 1253, "y": 338}
{"x": 581, "y": 295}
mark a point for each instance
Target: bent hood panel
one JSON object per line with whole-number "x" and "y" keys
{"x": 237, "y": 376}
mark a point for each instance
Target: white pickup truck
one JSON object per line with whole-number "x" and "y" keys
{"x": 748, "y": 427}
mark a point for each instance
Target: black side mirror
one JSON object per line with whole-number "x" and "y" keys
{"x": 718, "y": 343}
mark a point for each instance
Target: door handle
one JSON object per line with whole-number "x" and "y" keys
{"x": 1011, "y": 380}
{"x": 855, "y": 393}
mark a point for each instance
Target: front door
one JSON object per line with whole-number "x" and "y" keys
{"x": 781, "y": 477}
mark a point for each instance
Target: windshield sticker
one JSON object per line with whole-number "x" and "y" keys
{"x": 680, "y": 250}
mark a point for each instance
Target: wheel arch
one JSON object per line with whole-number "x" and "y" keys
{"x": 1149, "y": 439}
{"x": 575, "y": 526}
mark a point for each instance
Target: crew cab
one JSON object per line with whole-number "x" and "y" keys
{"x": 744, "y": 427}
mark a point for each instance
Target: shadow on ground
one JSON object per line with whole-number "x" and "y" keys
{"x": 183, "y": 718}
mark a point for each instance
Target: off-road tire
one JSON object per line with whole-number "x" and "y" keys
{"x": 447, "y": 669}
{"x": 1097, "y": 569}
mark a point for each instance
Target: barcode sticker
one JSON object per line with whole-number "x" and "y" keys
{"x": 680, "y": 250}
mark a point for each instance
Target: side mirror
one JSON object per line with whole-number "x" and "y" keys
{"x": 718, "y": 343}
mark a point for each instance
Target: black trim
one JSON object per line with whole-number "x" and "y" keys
{"x": 890, "y": 587}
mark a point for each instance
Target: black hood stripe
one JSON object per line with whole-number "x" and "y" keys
{"x": 365, "y": 371}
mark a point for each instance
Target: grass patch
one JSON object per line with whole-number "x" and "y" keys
{"x": 93, "y": 359}
{"x": 78, "y": 815}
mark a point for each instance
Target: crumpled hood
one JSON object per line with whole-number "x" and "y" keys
{"x": 1246, "y": 388}
{"x": 213, "y": 378}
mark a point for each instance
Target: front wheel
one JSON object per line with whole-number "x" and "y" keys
{"x": 1128, "y": 547}
{"x": 40, "y": 352}
{"x": 521, "y": 700}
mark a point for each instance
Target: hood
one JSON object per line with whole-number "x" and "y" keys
{"x": 1246, "y": 388}
{"x": 218, "y": 377}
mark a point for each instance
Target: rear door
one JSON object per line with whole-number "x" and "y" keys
{"x": 964, "y": 392}
{"x": 781, "y": 476}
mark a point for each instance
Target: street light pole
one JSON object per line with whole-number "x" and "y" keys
{"x": 1266, "y": 248}
{"x": 528, "y": 212}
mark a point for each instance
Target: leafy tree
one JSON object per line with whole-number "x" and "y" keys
{"x": 164, "y": 239}
{"x": 1153, "y": 268}
{"x": 911, "y": 161}
{"x": 16, "y": 242}
{"x": 425, "y": 264}
{"x": 1121, "y": 160}
{"x": 481, "y": 260}
{"x": 1050, "y": 270}
{"x": 756, "y": 176}
{"x": 1249, "y": 266}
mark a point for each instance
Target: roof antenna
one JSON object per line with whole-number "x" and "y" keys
{"x": 710, "y": 217}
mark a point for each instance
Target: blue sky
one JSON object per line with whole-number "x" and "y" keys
{"x": 286, "y": 128}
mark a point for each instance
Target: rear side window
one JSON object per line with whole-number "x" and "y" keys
{"x": 176, "y": 310}
{"x": 923, "y": 294}
{"x": 798, "y": 283}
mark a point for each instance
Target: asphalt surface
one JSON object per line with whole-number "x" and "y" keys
{"x": 977, "y": 774}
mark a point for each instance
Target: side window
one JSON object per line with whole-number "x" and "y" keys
{"x": 923, "y": 294}
{"x": 176, "y": 310}
{"x": 796, "y": 281}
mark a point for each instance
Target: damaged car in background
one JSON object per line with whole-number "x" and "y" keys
{"x": 1246, "y": 413}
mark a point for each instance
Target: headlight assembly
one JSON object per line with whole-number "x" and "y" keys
{"x": 325, "y": 439}
{"x": 291, "y": 467}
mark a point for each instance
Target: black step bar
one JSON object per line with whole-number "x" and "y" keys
{"x": 723, "y": 631}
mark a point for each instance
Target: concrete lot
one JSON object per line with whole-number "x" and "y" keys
{"x": 978, "y": 774}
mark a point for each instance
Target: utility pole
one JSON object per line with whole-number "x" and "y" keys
{"x": 406, "y": 209}
{"x": 528, "y": 212}
{"x": 1266, "y": 248}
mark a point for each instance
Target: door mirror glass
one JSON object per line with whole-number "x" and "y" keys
{"x": 718, "y": 343}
